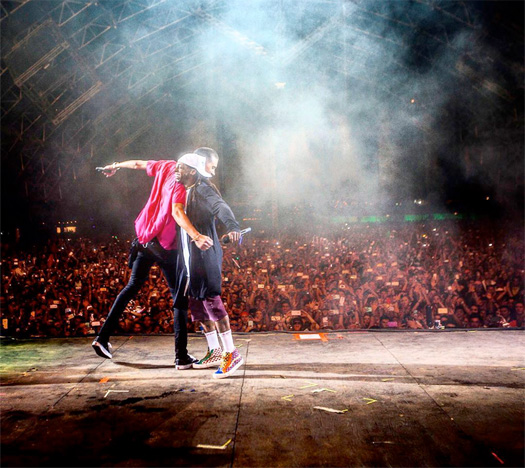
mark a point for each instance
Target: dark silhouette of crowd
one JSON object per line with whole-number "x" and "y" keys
{"x": 416, "y": 276}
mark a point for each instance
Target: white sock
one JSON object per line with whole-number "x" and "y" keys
{"x": 227, "y": 341}
{"x": 212, "y": 339}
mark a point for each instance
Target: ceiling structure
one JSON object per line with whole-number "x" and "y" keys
{"x": 82, "y": 80}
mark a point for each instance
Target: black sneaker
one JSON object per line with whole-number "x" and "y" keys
{"x": 102, "y": 348}
{"x": 185, "y": 363}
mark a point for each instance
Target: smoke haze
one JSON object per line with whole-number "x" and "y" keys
{"x": 366, "y": 102}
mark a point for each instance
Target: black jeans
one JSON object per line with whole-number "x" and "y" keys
{"x": 141, "y": 262}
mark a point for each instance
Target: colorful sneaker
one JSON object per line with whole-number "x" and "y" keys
{"x": 212, "y": 359}
{"x": 230, "y": 362}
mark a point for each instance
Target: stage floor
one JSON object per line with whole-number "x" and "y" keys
{"x": 407, "y": 399}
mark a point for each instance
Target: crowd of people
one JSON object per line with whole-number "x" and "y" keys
{"x": 436, "y": 275}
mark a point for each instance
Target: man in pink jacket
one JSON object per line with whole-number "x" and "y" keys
{"x": 156, "y": 242}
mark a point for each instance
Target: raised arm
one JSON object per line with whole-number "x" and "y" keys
{"x": 111, "y": 169}
{"x": 223, "y": 212}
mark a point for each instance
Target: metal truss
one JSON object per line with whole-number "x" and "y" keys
{"x": 53, "y": 130}
{"x": 69, "y": 79}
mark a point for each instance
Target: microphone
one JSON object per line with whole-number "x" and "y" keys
{"x": 226, "y": 239}
{"x": 104, "y": 170}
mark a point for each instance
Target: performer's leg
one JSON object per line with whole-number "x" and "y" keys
{"x": 223, "y": 325}
{"x": 210, "y": 331}
{"x": 217, "y": 311}
{"x": 180, "y": 328}
{"x": 212, "y": 338}
{"x": 139, "y": 274}
{"x": 214, "y": 354}
{"x": 208, "y": 326}
{"x": 231, "y": 358}
{"x": 169, "y": 266}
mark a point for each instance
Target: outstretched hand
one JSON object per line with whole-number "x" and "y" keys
{"x": 110, "y": 170}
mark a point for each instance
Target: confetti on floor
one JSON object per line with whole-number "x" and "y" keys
{"x": 104, "y": 380}
{"x": 215, "y": 447}
{"x": 115, "y": 391}
{"x": 311, "y": 336}
{"x": 369, "y": 400}
{"x": 287, "y": 397}
{"x": 310, "y": 384}
{"x": 319, "y": 390}
{"x": 331, "y": 410}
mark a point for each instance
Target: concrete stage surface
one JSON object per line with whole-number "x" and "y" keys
{"x": 406, "y": 399}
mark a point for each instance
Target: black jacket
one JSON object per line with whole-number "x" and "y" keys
{"x": 204, "y": 205}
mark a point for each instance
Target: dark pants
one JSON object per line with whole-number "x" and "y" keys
{"x": 141, "y": 262}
